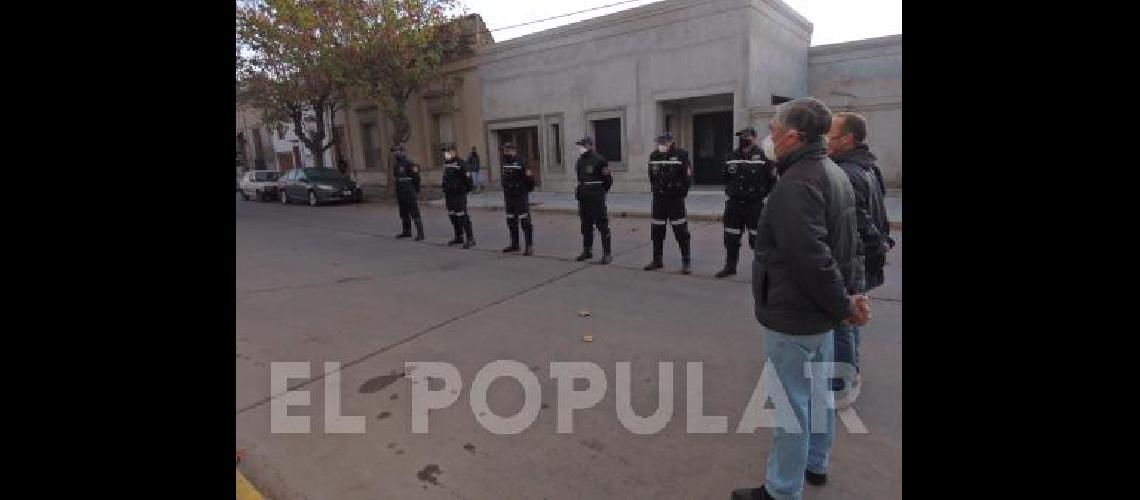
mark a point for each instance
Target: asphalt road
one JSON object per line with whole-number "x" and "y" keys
{"x": 330, "y": 284}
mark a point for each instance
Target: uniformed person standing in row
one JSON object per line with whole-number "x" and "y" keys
{"x": 407, "y": 176}
{"x": 518, "y": 182}
{"x": 594, "y": 181}
{"x": 456, "y": 185}
{"x": 670, "y": 177}
{"x": 749, "y": 176}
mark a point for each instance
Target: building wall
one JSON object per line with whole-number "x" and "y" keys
{"x": 865, "y": 77}
{"x": 628, "y": 62}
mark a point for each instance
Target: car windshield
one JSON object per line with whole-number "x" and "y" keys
{"x": 323, "y": 174}
{"x": 265, "y": 176}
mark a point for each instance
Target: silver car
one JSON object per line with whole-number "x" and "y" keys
{"x": 260, "y": 185}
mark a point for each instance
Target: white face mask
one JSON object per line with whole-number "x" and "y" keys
{"x": 583, "y": 149}
{"x": 447, "y": 156}
{"x": 768, "y": 147}
{"x": 662, "y": 148}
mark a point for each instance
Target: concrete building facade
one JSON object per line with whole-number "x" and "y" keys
{"x": 701, "y": 69}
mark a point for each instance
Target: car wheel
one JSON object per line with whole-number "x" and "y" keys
{"x": 313, "y": 199}
{"x": 284, "y": 197}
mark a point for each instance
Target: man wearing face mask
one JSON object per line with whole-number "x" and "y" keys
{"x": 748, "y": 177}
{"x": 518, "y": 182}
{"x": 670, "y": 177}
{"x": 456, "y": 185}
{"x": 407, "y": 176}
{"x": 805, "y": 283}
{"x": 594, "y": 181}
{"x": 847, "y": 148}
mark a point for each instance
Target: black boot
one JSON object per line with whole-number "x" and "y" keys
{"x": 458, "y": 239}
{"x": 419, "y": 229}
{"x": 751, "y": 494}
{"x": 732, "y": 252}
{"x": 686, "y": 262}
{"x": 407, "y": 233}
{"x": 658, "y": 251}
{"x": 513, "y": 228}
{"x": 470, "y": 233}
{"x": 528, "y": 233}
{"x": 607, "y": 257}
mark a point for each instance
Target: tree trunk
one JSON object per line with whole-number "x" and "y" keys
{"x": 401, "y": 131}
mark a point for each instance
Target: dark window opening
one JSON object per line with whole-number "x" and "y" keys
{"x": 607, "y": 138}
{"x": 778, "y": 99}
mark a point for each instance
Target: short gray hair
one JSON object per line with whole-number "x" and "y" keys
{"x": 809, "y": 116}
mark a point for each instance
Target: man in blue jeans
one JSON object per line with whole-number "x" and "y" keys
{"x": 804, "y": 281}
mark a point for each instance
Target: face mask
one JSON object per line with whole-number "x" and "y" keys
{"x": 769, "y": 147}
{"x": 447, "y": 156}
{"x": 661, "y": 148}
{"x": 583, "y": 149}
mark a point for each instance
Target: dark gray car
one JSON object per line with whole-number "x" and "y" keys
{"x": 316, "y": 186}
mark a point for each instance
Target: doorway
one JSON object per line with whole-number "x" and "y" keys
{"x": 526, "y": 141}
{"x": 712, "y": 141}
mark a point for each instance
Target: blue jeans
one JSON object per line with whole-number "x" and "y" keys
{"x": 794, "y": 452}
{"x": 476, "y": 179}
{"x": 847, "y": 349}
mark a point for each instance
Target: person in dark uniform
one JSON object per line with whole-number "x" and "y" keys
{"x": 407, "y": 176}
{"x": 456, "y": 185}
{"x": 518, "y": 182}
{"x": 670, "y": 176}
{"x": 594, "y": 181}
{"x": 749, "y": 176}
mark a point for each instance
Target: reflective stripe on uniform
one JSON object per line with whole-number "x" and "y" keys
{"x": 512, "y": 166}
{"x": 750, "y": 162}
{"x": 509, "y": 216}
{"x": 449, "y": 212}
{"x": 666, "y": 162}
{"x": 523, "y": 216}
{"x": 460, "y": 213}
{"x": 592, "y": 182}
{"x": 658, "y": 222}
{"x": 753, "y": 232}
{"x": 730, "y": 230}
{"x": 404, "y": 178}
{"x": 678, "y": 222}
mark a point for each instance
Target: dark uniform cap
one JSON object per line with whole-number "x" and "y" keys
{"x": 447, "y": 146}
{"x": 585, "y": 141}
{"x": 665, "y": 138}
{"x": 399, "y": 148}
{"x": 747, "y": 131}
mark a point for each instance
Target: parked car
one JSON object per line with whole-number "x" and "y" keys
{"x": 260, "y": 185}
{"x": 317, "y": 186}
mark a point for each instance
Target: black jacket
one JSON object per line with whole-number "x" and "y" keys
{"x": 748, "y": 175}
{"x": 669, "y": 172}
{"x": 407, "y": 176}
{"x": 594, "y": 176}
{"x": 871, "y": 212}
{"x": 808, "y": 255}
{"x": 456, "y": 180}
{"x": 473, "y": 161}
{"x": 515, "y": 176}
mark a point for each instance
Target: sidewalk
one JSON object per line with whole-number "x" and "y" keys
{"x": 701, "y": 204}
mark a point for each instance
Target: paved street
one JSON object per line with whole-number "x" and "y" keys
{"x": 331, "y": 284}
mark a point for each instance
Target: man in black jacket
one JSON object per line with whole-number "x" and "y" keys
{"x": 748, "y": 178}
{"x": 518, "y": 182}
{"x": 456, "y": 185}
{"x": 804, "y": 282}
{"x": 846, "y": 145}
{"x": 594, "y": 181}
{"x": 407, "y": 176}
{"x": 670, "y": 174}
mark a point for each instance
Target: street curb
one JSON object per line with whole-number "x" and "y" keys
{"x": 895, "y": 224}
{"x": 245, "y": 490}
